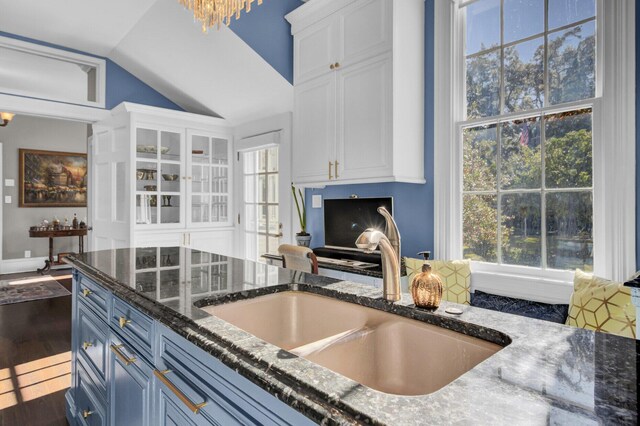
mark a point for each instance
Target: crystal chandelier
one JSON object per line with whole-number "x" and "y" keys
{"x": 217, "y": 12}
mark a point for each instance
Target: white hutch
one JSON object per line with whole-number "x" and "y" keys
{"x": 160, "y": 178}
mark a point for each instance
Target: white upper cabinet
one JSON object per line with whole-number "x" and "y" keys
{"x": 359, "y": 91}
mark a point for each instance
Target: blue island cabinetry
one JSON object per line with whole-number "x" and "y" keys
{"x": 128, "y": 369}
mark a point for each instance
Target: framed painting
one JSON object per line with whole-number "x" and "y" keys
{"x": 52, "y": 179}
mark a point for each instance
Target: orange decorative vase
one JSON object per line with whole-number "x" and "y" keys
{"x": 426, "y": 288}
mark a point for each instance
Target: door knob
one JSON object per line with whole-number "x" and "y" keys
{"x": 332, "y": 66}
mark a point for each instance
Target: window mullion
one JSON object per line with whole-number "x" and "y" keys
{"x": 543, "y": 188}
{"x": 499, "y": 193}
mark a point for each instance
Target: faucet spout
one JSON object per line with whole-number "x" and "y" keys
{"x": 391, "y": 231}
{"x": 369, "y": 240}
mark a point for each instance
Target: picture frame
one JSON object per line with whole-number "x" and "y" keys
{"x": 52, "y": 178}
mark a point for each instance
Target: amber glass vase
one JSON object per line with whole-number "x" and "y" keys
{"x": 426, "y": 288}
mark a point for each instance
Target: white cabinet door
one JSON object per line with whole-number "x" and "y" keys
{"x": 208, "y": 180}
{"x": 316, "y": 50}
{"x": 314, "y": 129}
{"x": 364, "y": 140}
{"x": 365, "y": 31}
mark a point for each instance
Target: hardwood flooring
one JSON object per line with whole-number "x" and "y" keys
{"x": 35, "y": 358}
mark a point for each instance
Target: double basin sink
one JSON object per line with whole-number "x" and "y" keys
{"x": 377, "y": 349}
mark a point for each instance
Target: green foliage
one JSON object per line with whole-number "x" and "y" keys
{"x": 302, "y": 213}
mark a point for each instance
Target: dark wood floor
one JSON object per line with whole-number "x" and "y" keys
{"x": 35, "y": 367}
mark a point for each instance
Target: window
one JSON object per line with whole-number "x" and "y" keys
{"x": 32, "y": 70}
{"x": 263, "y": 229}
{"x": 527, "y": 132}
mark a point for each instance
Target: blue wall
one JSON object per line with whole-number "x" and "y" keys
{"x": 121, "y": 85}
{"x": 269, "y": 34}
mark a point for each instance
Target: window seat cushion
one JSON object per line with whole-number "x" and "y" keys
{"x": 526, "y": 308}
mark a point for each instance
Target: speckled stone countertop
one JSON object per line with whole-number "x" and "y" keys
{"x": 546, "y": 374}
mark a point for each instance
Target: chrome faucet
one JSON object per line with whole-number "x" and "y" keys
{"x": 370, "y": 239}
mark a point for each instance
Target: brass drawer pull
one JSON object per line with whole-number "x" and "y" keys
{"x": 86, "y": 413}
{"x": 195, "y": 408}
{"x": 123, "y": 321}
{"x": 330, "y": 177}
{"x": 86, "y": 292}
{"x": 336, "y": 164}
{"x": 337, "y": 65}
{"x": 116, "y": 350}
{"x": 86, "y": 345}
{"x": 332, "y": 66}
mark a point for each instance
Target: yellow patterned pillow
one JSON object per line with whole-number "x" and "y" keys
{"x": 455, "y": 274}
{"x": 601, "y": 305}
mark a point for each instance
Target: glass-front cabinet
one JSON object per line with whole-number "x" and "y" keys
{"x": 182, "y": 178}
{"x": 208, "y": 180}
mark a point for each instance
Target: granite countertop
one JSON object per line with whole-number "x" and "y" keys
{"x": 546, "y": 373}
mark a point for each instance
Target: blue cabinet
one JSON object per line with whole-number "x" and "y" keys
{"x": 130, "y": 370}
{"x": 130, "y": 386}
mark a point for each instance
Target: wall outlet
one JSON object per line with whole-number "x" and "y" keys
{"x": 316, "y": 201}
{"x": 7, "y": 199}
{"x": 9, "y": 182}
{"x": 27, "y": 253}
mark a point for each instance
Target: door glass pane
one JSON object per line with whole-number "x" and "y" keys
{"x": 273, "y": 160}
{"x": 200, "y": 208}
{"x": 170, "y": 178}
{"x": 272, "y": 191}
{"x": 274, "y": 222}
{"x": 146, "y": 143}
{"x": 219, "y": 208}
{"x": 146, "y": 209}
{"x": 220, "y": 151}
{"x": 170, "y": 208}
{"x": 170, "y": 146}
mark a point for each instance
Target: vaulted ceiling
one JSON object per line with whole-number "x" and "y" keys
{"x": 158, "y": 41}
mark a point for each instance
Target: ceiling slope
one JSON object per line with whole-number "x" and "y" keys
{"x": 94, "y": 26}
{"x": 215, "y": 73}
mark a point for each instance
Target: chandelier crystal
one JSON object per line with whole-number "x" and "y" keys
{"x": 217, "y": 12}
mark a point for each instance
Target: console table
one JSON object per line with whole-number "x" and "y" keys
{"x": 57, "y": 233}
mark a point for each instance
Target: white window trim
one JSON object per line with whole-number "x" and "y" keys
{"x": 35, "y": 49}
{"x": 614, "y": 161}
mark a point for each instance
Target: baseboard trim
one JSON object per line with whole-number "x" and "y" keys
{"x": 13, "y": 266}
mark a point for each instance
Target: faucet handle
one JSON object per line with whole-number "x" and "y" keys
{"x": 425, "y": 254}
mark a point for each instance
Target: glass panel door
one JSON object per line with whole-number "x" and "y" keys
{"x": 209, "y": 180}
{"x": 158, "y": 171}
{"x": 262, "y": 226}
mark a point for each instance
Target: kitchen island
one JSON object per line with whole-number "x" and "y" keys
{"x": 187, "y": 366}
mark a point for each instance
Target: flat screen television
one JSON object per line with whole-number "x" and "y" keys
{"x": 346, "y": 219}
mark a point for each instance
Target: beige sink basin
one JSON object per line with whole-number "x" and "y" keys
{"x": 383, "y": 351}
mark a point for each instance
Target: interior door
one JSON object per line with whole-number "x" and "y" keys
{"x": 109, "y": 190}
{"x": 314, "y": 130}
{"x": 364, "y": 147}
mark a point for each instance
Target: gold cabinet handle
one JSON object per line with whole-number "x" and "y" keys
{"x": 116, "y": 350}
{"x": 330, "y": 177}
{"x": 337, "y": 65}
{"x": 86, "y": 413}
{"x": 123, "y": 321}
{"x": 162, "y": 375}
{"x": 332, "y": 66}
{"x": 86, "y": 345}
{"x": 86, "y": 292}
{"x": 336, "y": 166}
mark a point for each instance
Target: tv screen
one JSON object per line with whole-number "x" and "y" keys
{"x": 345, "y": 220}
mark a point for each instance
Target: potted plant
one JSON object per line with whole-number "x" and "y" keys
{"x": 302, "y": 237}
